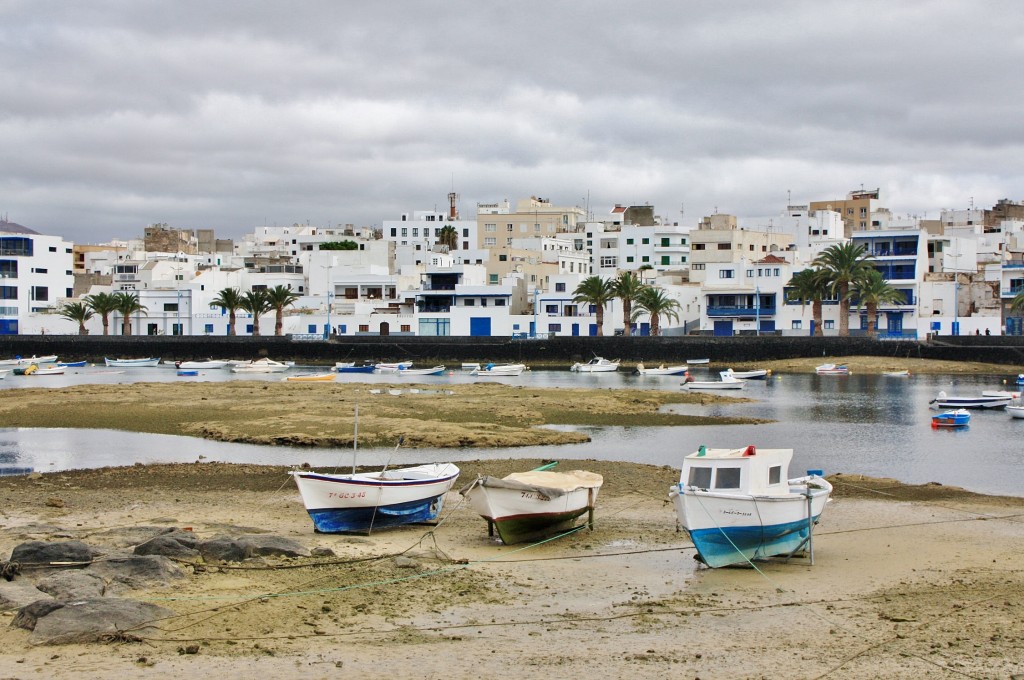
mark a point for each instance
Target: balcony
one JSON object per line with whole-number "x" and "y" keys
{"x": 734, "y": 311}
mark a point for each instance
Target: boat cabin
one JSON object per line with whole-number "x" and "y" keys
{"x": 746, "y": 470}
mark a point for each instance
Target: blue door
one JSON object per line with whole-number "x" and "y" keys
{"x": 1014, "y": 325}
{"x": 767, "y": 325}
{"x": 645, "y": 329}
{"x": 593, "y": 330}
{"x": 723, "y": 328}
{"x": 894, "y": 323}
{"x": 480, "y": 326}
{"x": 575, "y": 330}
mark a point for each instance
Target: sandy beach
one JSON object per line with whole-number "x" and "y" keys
{"x": 909, "y": 582}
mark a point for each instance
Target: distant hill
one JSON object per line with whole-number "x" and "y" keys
{"x": 13, "y": 228}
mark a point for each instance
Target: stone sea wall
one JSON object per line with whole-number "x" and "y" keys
{"x": 553, "y": 351}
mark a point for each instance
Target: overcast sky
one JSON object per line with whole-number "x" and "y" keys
{"x": 115, "y": 114}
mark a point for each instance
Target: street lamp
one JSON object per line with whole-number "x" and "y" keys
{"x": 330, "y": 294}
{"x": 536, "y": 292}
{"x": 757, "y": 310}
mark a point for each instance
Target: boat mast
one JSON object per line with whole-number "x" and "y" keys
{"x": 355, "y": 440}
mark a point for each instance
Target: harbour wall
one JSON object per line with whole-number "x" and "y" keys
{"x": 547, "y": 351}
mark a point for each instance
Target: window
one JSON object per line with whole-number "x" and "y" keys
{"x": 492, "y": 279}
{"x": 700, "y": 477}
{"x": 645, "y": 258}
{"x": 489, "y": 241}
{"x": 502, "y": 258}
{"x": 40, "y": 270}
{"x": 509, "y": 226}
{"x": 53, "y": 249}
{"x": 609, "y": 261}
{"x": 698, "y": 266}
{"x": 364, "y": 328}
{"x": 725, "y": 274}
{"x": 560, "y": 287}
{"x": 797, "y": 325}
{"x": 405, "y": 232}
{"x": 311, "y": 328}
{"x": 629, "y": 241}
{"x": 699, "y": 246}
{"x": 554, "y": 327}
{"x": 40, "y": 293}
{"x": 645, "y": 241}
{"x": 551, "y": 309}
{"x": 416, "y": 231}
{"x": 750, "y": 273}
{"x": 405, "y": 328}
{"x": 469, "y": 302}
{"x": 725, "y": 246}
{"x": 8, "y": 292}
{"x": 778, "y": 272}
{"x": 208, "y": 329}
{"x": 629, "y": 258}
{"x": 394, "y": 232}
{"x": 829, "y": 324}
{"x": 536, "y": 227}
{"x": 499, "y": 302}
{"x": 170, "y": 306}
{"x": 490, "y": 227}
{"x": 751, "y": 247}
{"x": 666, "y": 260}
{"x": 727, "y": 478}
{"x": 775, "y": 474}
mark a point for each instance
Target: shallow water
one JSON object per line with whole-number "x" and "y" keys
{"x": 865, "y": 424}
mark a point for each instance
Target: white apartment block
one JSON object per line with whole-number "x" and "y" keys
{"x": 36, "y": 272}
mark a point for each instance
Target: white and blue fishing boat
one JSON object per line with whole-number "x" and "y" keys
{"x": 147, "y": 362}
{"x": 363, "y": 501}
{"x": 738, "y": 505}
{"x": 350, "y": 367}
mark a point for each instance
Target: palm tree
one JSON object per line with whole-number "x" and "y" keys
{"x": 449, "y": 236}
{"x": 280, "y": 297}
{"x": 128, "y": 304}
{"x": 257, "y": 303}
{"x": 845, "y": 263}
{"x": 231, "y": 300}
{"x": 103, "y": 304}
{"x": 872, "y": 291}
{"x": 653, "y": 301}
{"x": 627, "y": 287}
{"x": 595, "y": 291}
{"x": 77, "y": 311}
{"x": 1017, "y": 304}
{"x": 810, "y": 285}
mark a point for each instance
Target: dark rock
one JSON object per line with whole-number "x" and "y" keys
{"x": 322, "y": 552}
{"x": 73, "y": 585}
{"x": 268, "y": 545}
{"x": 222, "y": 549}
{"x": 28, "y": 615}
{"x": 168, "y": 546}
{"x": 124, "y": 537}
{"x": 94, "y": 620}
{"x": 69, "y": 553}
{"x": 138, "y": 571}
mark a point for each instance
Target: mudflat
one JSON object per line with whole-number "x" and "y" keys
{"x": 908, "y": 582}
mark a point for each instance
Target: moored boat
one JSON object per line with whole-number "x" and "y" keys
{"x": 202, "y": 365}
{"x": 1000, "y": 400}
{"x": 679, "y": 369}
{"x": 738, "y": 505}
{"x": 753, "y": 374}
{"x": 409, "y": 372}
{"x": 147, "y": 362}
{"x": 832, "y": 369}
{"x": 1015, "y": 411}
{"x": 34, "y": 369}
{"x": 526, "y": 506}
{"x": 499, "y": 370}
{"x": 261, "y": 366}
{"x": 71, "y": 364}
{"x": 26, "y": 361}
{"x": 953, "y": 418}
{"x": 392, "y": 367}
{"x": 350, "y": 367}
{"x": 596, "y": 365}
{"x": 727, "y": 382}
{"x": 312, "y": 377}
{"x": 897, "y": 374}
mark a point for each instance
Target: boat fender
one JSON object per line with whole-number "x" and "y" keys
{"x": 750, "y": 451}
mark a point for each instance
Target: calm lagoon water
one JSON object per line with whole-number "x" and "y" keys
{"x": 873, "y": 425}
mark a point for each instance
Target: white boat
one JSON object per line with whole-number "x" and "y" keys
{"x": 993, "y": 401}
{"x": 896, "y": 374}
{"x": 407, "y": 372}
{"x": 679, "y": 369}
{"x": 261, "y": 366}
{"x": 753, "y": 374}
{"x": 1002, "y": 394}
{"x": 832, "y": 369}
{"x": 727, "y": 382}
{"x": 738, "y": 505}
{"x": 200, "y": 365}
{"x": 596, "y": 365}
{"x": 1015, "y": 411}
{"x": 362, "y": 501}
{"x": 22, "y": 361}
{"x": 499, "y": 370}
{"x": 148, "y": 362}
{"x": 698, "y": 362}
{"x": 468, "y": 366}
{"x": 527, "y": 506}
{"x": 4, "y": 372}
{"x": 392, "y": 367}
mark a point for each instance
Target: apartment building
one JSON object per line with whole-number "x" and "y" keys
{"x": 856, "y": 209}
{"x": 719, "y": 240}
{"x": 498, "y": 223}
{"x": 36, "y": 271}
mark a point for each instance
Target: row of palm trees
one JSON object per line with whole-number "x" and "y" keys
{"x": 256, "y": 302}
{"x": 627, "y": 286}
{"x": 843, "y": 272}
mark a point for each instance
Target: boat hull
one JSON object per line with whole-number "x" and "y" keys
{"x": 200, "y": 365}
{"x": 973, "y": 402}
{"x": 355, "y": 369}
{"x": 669, "y": 370}
{"x": 714, "y": 385}
{"x": 133, "y": 363}
{"x": 731, "y": 529}
{"x": 522, "y": 513}
{"x": 363, "y": 502}
{"x": 501, "y": 371}
{"x": 1015, "y": 411}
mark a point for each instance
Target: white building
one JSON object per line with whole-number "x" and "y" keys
{"x": 35, "y": 276}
